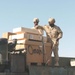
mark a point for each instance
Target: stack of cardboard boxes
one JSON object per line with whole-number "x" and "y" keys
{"x": 37, "y": 49}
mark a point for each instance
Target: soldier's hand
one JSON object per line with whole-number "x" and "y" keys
{"x": 57, "y": 39}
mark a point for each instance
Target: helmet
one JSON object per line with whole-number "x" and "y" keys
{"x": 51, "y": 20}
{"x": 35, "y": 20}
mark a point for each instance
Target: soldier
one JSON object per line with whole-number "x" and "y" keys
{"x": 36, "y": 23}
{"x": 53, "y": 33}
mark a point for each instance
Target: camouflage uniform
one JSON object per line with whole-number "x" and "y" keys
{"x": 39, "y": 29}
{"x": 54, "y": 33}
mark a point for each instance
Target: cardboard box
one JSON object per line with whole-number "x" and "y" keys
{"x": 26, "y": 36}
{"x": 34, "y": 53}
{"x": 27, "y": 30}
{"x": 44, "y": 39}
{"x": 7, "y": 34}
{"x": 48, "y": 52}
{"x": 35, "y": 37}
{"x": 19, "y": 36}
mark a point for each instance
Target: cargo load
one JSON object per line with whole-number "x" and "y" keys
{"x": 26, "y": 36}
{"x": 35, "y": 52}
{"x": 27, "y": 30}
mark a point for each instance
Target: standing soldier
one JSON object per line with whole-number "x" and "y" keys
{"x": 53, "y": 33}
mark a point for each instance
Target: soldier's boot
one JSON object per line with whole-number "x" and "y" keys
{"x": 56, "y": 64}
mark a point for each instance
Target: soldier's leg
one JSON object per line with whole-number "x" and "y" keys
{"x": 56, "y": 56}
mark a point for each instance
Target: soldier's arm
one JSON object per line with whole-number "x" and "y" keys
{"x": 39, "y": 27}
{"x": 60, "y": 33}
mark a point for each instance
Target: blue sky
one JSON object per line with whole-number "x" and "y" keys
{"x": 20, "y": 13}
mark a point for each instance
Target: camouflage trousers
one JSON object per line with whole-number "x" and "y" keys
{"x": 55, "y": 52}
{"x": 54, "y": 48}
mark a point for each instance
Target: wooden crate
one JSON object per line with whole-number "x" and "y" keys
{"x": 47, "y": 53}
{"x": 36, "y": 57}
{"x": 34, "y": 52}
